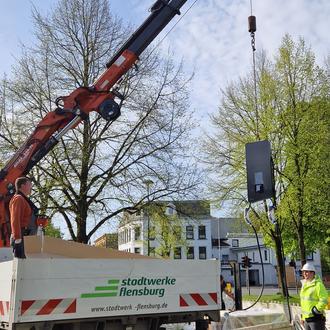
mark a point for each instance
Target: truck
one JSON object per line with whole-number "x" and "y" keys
{"x": 68, "y": 285}
{"x": 55, "y": 289}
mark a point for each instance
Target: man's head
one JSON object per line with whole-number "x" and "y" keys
{"x": 308, "y": 271}
{"x": 24, "y": 185}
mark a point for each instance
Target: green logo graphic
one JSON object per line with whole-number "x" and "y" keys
{"x": 130, "y": 287}
{"x": 104, "y": 291}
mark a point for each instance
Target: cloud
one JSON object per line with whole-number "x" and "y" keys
{"x": 213, "y": 39}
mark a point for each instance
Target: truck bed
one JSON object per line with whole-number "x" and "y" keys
{"x": 50, "y": 287}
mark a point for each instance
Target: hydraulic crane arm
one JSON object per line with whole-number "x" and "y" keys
{"x": 75, "y": 107}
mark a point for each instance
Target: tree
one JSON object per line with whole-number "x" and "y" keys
{"x": 52, "y": 231}
{"x": 98, "y": 169}
{"x": 305, "y": 122}
{"x": 166, "y": 229}
{"x": 10, "y": 136}
{"x": 289, "y": 91}
{"x": 170, "y": 224}
{"x": 238, "y": 122}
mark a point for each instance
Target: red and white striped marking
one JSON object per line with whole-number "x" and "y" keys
{"x": 4, "y": 308}
{"x": 46, "y": 307}
{"x": 198, "y": 299}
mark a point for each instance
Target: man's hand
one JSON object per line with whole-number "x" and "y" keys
{"x": 19, "y": 249}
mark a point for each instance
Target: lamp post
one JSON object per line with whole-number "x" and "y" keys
{"x": 148, "y": 183}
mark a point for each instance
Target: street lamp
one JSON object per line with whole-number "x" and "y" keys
{"x": 148, "y": 183}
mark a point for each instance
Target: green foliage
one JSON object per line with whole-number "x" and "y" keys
{"x": 325, "y": 257}
{"x": 275, "y": 298}
{"x": 166, "y": 230}
{"x": 306, "y": 174}
{"x": 52, "y": 231}
{"x": 292, "y": 112}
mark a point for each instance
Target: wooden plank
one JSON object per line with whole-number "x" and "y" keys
{"x": 55, "y": 247}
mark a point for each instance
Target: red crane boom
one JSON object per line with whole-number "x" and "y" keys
{"x": 99, "y": 97}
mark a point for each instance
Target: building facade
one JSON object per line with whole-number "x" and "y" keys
{"x": 107, "y": 241}
{"x": 206, "y": 237}
{"x": 194, "y": 219}
{"x": 245, "y": 244}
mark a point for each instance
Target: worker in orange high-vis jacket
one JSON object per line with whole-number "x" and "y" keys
{"x": 22, "y": 212}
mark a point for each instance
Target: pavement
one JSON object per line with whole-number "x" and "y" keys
{"x": 274, "y": 290}
{"x": 262, "y": 313}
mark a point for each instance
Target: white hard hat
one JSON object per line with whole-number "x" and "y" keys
{"x": 309, "y": 266}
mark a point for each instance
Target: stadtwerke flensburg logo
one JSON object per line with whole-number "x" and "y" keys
{"x": 129, "y": 287}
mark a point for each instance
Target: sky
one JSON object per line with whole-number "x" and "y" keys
{"x": 212, "y": 37}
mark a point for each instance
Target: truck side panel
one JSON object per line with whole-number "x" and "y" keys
{"x": 6, "y": 271}
{"x": 59, "y": 289}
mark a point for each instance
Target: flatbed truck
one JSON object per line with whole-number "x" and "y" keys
{"x": 57, "y": 287}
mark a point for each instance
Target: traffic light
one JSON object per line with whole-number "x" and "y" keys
{"x": 246, "y": 262}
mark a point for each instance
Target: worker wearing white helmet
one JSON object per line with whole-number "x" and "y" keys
{"x": 308, "y": 267}
{"x": 313, "y": 299}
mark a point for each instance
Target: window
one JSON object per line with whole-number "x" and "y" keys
{"x": 266, "y": 255}
{"x": 310, "y": 256}
{"x": 190, "y": 252}
{"x": 125, "y": 236}
{"x": 137, "y": 250}
{"x": 225, "y": 257}
{"x": 234, "y": 242}
{"x": 170, "y": 209}
{"x": 201, "y": 232}
{"x": 202, "y": 252}
{"x": 137, "y": 233}
{"x": 189, "y": 232}
{"x": 177, "y": 253}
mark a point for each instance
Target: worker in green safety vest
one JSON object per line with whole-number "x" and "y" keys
{"x": 313, "y": 299}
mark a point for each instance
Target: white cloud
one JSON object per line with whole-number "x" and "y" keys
{"x": 213, "y": 38}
